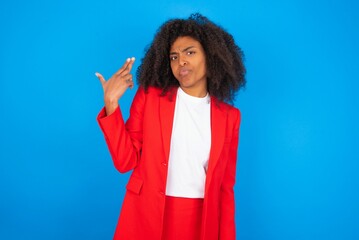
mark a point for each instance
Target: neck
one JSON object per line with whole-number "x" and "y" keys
{"x": 200, "y": 93}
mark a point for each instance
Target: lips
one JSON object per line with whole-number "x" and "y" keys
{"x": 183, "y": 72}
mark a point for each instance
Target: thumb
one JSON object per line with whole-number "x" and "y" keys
{"x": 102, "y": 79}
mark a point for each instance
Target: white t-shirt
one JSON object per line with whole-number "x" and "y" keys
{"x": 190, "y": 146}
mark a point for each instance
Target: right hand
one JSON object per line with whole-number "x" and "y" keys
{"x": 116, "y": 86}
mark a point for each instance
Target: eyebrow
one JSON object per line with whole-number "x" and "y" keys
{"x": 186, "y": 49}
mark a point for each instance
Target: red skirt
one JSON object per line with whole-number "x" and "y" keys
{"x": 182, "y": 218}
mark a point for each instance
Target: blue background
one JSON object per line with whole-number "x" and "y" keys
{"x": 298, "y": 155}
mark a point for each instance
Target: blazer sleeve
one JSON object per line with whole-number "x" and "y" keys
{"x": 124, "y": 141}
{"x": 227, "y": 229}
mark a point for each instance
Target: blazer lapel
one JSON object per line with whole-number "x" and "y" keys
{"x": 218, "y": 126}
{"x": 167, "y": 108}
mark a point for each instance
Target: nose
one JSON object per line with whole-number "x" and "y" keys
{"x": 182, "y": 61}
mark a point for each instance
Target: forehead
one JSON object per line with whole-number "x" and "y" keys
{"x": 184, "y": 42}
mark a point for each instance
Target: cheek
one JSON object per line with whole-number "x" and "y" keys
{"x": 203, "y": 68}
{"x": 173, "y": 69}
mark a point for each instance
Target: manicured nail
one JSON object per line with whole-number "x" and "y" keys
{"x": 133, "y": 59}
{"x": 97, "y": 74}
{"x": 128, "y": 59}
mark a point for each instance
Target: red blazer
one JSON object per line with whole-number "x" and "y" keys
{"x": 143, "y": 145}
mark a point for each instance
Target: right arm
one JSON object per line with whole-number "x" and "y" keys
{"x": 123, "y": 141}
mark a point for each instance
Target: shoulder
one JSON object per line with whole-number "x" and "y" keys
{"x": 156, "y": 92}
{"x": 153, "y": 90}
{"x": 230, "y": 109}
{"x": 143, "y": 93}
{"x": 233, "y": 113}
{"x": 150, "y": 90}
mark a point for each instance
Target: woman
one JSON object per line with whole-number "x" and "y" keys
{"x": 181, "y": 138}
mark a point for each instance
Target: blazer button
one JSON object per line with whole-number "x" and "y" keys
{"x": 162, "y": 193}
{"x": 164, "y": 164}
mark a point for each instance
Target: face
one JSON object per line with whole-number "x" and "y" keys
{"x": 188, "y": 64}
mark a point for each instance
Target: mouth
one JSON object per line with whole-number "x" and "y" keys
{"x": 183, "y": 72}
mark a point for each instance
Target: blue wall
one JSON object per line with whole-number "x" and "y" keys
{"x": 298, "y": 155}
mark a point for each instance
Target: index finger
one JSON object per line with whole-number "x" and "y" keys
{"x": 130, "y": 64}
{"x": 127, "y": 65}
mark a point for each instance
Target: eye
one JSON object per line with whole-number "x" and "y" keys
{"x": 173, "y": 57}
{"x": 191, "y": 52}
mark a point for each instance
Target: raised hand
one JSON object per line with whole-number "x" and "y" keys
{"x": 116, "y": 86}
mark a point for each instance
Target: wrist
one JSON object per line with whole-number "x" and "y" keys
{"x": 109, "y": 101}
{"x": 110, "y": 105}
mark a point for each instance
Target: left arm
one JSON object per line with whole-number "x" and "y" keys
{"x": 227, "y": 229}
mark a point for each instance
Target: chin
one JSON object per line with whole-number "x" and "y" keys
{"x": 185, "y": 83}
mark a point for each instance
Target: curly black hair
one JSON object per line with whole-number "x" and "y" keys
{"x": 224, "y": 59}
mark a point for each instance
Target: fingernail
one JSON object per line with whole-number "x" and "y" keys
{"x": 97, "y": 74}
{"x": 133, "y": 59}
{"x": 128, "y": 59}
